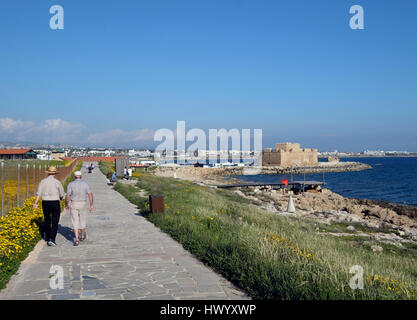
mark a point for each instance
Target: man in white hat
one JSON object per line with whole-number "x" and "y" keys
{"x": 77, "y": 193}
{"x": 51, "y": 192}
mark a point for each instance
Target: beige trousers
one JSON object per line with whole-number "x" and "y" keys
{"x": 78, "y": 214}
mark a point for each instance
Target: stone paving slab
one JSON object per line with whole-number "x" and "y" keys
{"x": 124, "y": 257}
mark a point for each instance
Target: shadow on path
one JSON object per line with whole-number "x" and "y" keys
{"x": 67, "y": 232}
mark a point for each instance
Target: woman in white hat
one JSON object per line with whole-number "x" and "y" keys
{"x": 51, "y": 191}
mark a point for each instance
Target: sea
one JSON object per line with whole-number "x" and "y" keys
{"x": 392, "y": 179}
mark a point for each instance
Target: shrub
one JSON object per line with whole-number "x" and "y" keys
{"x": 19, "y": 233}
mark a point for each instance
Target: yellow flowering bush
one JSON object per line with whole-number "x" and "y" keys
{"x": 285, "y": 244}
{"x": 209, "y": 221}
{"x": 19, "y": 232}
{"x": 68, "y": 162}
{"x": 392, "y": 286}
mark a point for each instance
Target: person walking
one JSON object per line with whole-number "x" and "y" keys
{"x": 51, "y": 192}
{"x": 76, "y": 201}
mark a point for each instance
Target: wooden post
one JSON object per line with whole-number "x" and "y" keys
{"x": 18, "y": 186}
{"x": 34, "y": 180}
{"x": 27, "y": 180}
{"x": 2, "y": 188}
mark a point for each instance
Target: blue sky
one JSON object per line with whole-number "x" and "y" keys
{"x": 122, "y": 69}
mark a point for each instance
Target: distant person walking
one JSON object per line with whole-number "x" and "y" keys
{"x": 125, "y": 174}
{"x": 77, "y": 193}
{"x": 51, "y": 192}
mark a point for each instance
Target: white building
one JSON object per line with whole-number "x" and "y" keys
{"x": 43, "y": 155}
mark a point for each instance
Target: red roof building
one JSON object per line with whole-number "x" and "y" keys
{"x": 17, "y": 154}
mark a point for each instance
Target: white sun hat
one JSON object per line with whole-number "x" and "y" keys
{"x": 77, "y": 173}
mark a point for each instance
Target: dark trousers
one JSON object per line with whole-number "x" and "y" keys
{"x": 51, "y": 213}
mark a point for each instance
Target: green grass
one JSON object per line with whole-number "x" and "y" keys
{"x": 234, "y": 238}
{"x": 106, "y": 167}
{"x": 342, "y": 227}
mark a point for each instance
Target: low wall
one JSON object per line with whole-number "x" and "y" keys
{"x": 98, "y": 159}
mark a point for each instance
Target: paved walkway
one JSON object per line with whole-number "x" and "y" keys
{"x": 124, "y": 257}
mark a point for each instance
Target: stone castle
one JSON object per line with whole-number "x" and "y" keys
{"x": 289, "y": 155}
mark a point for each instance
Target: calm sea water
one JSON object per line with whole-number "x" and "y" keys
{"x": 390, "y": 179}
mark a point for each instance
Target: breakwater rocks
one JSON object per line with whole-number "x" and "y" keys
{"x": 198, "y": 173}
{"x": 321, "y": 167}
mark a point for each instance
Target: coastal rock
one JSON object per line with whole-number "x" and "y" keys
{"x": 240, "y": 193}
{"x": 371, "y": 224}
{"x": 387, "y": 237}
{"x": 356, "y": 209}
{"x": 412, "y": 234}
{"x": 350, "y": 228}
{"x": 376, "y": 248}
{"x": 270, "y": 207}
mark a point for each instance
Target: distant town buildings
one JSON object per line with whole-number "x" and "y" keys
{"x": 283, "y": 155}
{"x": 43, "y": 155}
{"x": 58, "y": 154}
{"x": 217, "y": 158}
{"x": 381, "y": 153}
{"x": 366, "y": 153}
{"x": 139, "y": 153}
{"x": 288, "y": 155}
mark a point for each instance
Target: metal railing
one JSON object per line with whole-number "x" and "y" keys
{"x": 20, "y": 181}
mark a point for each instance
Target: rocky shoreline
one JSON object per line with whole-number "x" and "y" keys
{"x": 383, "y": 222}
